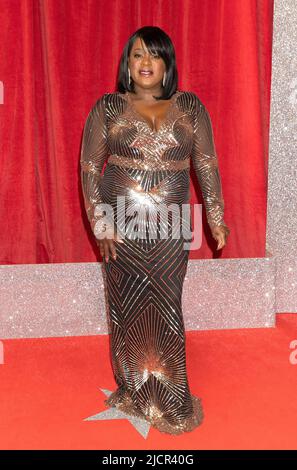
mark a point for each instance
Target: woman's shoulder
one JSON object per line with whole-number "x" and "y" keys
{"x": 189, "y": 95}
{"x": 102, "y": 102}
{"x": 103, "y": 99}
{"x": 191, "y": 100}
{"x": 109, "y": 100}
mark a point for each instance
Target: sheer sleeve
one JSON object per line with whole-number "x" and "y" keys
{"x": 94, "y": 152}
{"x": 205, "y": 163}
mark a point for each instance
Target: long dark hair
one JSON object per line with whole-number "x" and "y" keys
{"x": 157, "y": 42}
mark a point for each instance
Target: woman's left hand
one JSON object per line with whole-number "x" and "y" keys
{"x": 220, "y": 233}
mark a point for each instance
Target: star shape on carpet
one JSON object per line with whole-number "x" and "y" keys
{"x": 141, "y": 425}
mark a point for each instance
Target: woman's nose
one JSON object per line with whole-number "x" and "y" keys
{"x": 146, "y": 59}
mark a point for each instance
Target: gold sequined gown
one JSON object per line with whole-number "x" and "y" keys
{"x": 144, "y": 284}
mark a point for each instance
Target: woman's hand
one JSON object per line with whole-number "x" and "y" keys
{"x": 105, "y": 234}
{"x": 220, "y": 233}
{"x": 107, "y": 247}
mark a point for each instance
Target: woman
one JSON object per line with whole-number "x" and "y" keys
{"x": 149, "y": 130}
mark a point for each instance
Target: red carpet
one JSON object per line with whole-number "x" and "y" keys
{"x": 244, "y": 377}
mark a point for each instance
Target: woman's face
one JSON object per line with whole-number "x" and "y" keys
{"x": 140, "y": 59}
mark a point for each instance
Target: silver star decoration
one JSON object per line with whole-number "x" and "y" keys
{"x": 141, "y": 425}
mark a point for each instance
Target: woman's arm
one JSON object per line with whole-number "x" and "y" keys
{"x": 94, "y": 152}
{"x": 205, "y": 162}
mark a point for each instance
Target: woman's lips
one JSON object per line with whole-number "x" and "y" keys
{"x": 146, "y": 74}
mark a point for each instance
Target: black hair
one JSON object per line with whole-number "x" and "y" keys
{"x": 157, "y": 42}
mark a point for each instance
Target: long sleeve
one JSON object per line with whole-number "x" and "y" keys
{"x": 94, "y": 152}
{"x": 205, "y": 163}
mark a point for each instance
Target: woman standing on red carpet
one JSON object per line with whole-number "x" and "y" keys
{"x": 149, "y": 131}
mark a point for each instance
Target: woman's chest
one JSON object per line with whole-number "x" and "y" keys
{"x": 129, "y": 128}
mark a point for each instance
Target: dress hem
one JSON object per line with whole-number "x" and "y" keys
{"x": 121, "y": 400}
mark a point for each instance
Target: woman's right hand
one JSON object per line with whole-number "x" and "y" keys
{"x": 105, "y": 235}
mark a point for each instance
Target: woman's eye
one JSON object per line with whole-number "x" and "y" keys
{"x": 155, "y": 56}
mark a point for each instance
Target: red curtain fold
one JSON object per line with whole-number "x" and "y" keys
{"x": 57, "y": 58}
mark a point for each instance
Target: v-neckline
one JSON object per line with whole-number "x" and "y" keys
{"x": 137, "y": 113}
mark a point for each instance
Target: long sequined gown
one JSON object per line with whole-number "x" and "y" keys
{"x": 144, "y": 284}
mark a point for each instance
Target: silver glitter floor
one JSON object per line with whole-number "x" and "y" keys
{"x": 68, "y": 299}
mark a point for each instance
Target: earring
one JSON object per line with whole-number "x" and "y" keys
{"x": 164, "y": 78}
{"x": 129, "y": 75}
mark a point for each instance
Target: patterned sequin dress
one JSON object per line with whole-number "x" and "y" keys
{"x": 145, "y": 282}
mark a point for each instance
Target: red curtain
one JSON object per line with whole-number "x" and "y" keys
{"x": 58, "y": 57}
